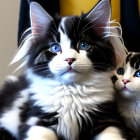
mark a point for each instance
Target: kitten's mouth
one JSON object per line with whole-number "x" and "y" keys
{"x": 126, "y": 89}
{"x": 71, "y": 70}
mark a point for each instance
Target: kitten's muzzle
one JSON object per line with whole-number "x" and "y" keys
{"x": 70, "y": 60}
{"x": 125, "y": 81}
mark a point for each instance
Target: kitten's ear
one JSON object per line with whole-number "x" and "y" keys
{"x": 40, "y": 20}
{"x": 118, "y": 45}
{"x": 100, "y": 16}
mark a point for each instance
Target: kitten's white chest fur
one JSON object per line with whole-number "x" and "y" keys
{"x": 131, "y": 113}
{"x": 71, "y": 101}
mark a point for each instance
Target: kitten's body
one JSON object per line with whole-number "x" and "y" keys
{"x": 66, "y": 108}
{"x": 128, "y": 92}
{"x": 66, "y": 92}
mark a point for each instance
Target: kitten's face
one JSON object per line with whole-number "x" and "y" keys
{"x": 69, "y": 54}
{"x": 128, "y": 82}
{"x": 71, "y": 48}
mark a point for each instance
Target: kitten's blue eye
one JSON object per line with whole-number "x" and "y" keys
{"x": 120, "y": 71}
{"x": 83, "y": 45}
{"x": 55, "y": 48}
{"x": 137, "y": 73}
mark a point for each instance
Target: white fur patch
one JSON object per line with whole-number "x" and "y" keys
{"x": 12, "y": 78}
{"x": 71, "y": 101}
{"x": 10, "y": 119}
{"x": 64, "y": 39}
{"x": 32, "y": 121}
{"x": 40, "y": 133}
{"x": 110, "y": 133}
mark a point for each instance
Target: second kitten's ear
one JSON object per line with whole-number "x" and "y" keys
{"x": 40, "y": 20}
{"x": 100, "y": 16}
{"x": 119, "y": 48}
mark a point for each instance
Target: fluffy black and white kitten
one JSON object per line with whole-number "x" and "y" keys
{"x": 66, "y": 92}
{"x": 128, "y": 91}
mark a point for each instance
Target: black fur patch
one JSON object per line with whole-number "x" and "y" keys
{"x": 107, "y": 116}
{"x": 128, "y": 57}
{"x": 134, "y": 60}
{"x": 5, "y": 135}
{"x": 10, "y": 92}
{"x": 114, "y": 78}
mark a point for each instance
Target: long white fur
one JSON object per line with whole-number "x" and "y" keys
{"x": 23, "y": 49}
{"x": 72, "y": 101}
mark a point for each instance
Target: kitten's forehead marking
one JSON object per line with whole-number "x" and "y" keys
{"x": 65, "y": 42}
{"x": 64, "y": 39}
{"x": 128, "y": 71}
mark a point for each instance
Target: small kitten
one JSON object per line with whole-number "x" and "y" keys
{"x": 127, "y": 85}
{"x": 66, "y": 92}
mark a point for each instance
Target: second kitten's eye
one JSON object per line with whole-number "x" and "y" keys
{"x": 120, "y": 71}
{"x": 83, "y": 45}
{"x": 55, "y": 48}
{"x": 137, "y": 73}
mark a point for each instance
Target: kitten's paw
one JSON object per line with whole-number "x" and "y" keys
{"x": 40, "y": 133}
{"x": 110, "y": 133}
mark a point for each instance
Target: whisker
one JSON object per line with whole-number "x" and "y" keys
{"x": 86, "y": 29}
{"x": 88, "y": 24}
{"x": 79, "y": 23}
{"x": 38, "y": 34}
{"x": 104, "y": 68}
{"x": 104, "y": 65}
{"x": 54, "y": 25}
{"x": 45, "y": 74}
{"x": 39, "y": 65}
{"x": 39, "y": 69}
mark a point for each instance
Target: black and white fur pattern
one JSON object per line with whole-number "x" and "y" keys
{"x": 127, "y": 86}
{"x": 60, "y": 100}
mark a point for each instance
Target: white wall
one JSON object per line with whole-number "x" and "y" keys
{"x": 9, "y": 12}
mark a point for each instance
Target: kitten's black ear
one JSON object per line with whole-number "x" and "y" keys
{"x": 100, "y": 16}
{"x": 40, "y": 20}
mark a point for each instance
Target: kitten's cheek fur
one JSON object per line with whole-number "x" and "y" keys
{"x": 58, "y": 66}
{"x": 119, "y": 86}
{"x": 40, "y": 133}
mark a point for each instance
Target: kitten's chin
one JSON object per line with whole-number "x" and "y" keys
{"x": 127, "y": 93}
{"x": 70, "y": 77}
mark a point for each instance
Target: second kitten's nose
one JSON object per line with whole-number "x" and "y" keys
{"x": 125, "y": 81}
{"x": 70, "y": 60}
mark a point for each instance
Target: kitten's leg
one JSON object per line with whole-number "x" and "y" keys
{"x": 40, "y": 133}
{"x": 110, "y": 133}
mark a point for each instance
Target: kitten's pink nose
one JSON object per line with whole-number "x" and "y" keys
{"x": 70, "y": 60}
{"x": 125, "y": 81}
